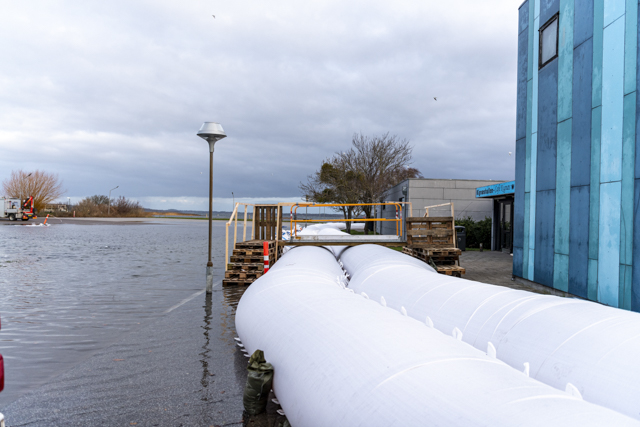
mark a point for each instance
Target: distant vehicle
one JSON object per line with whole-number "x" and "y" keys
{"x": 12, "y": 209}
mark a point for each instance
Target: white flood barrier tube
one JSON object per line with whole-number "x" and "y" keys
{"x": 341, "y": 359}
{"x": 561, "y": 340}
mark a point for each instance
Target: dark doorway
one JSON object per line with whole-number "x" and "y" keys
{"x": 503, "y": 227}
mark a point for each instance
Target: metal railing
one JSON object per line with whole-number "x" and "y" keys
{"x": 294, "y": 210}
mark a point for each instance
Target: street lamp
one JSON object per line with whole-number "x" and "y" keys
{"x": 211, "y": 132}
{"x": 109, "y": 208}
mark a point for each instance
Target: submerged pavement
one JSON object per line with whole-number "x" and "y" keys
{"x": 181, "y": 369}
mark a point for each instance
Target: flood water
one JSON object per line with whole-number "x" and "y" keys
{"x": 67, "y": 291}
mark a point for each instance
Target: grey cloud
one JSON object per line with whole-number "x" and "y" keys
{"x": 113, "y": 92}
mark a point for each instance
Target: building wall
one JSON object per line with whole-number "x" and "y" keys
{"x": 577, "y": 176}
{"x": 429, "y": 192}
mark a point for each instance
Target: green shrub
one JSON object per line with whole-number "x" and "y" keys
{"x": 477, "y": 232}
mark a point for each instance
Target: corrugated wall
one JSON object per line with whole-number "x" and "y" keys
{"x": 577, "y": 167}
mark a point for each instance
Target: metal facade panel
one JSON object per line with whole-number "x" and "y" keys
{"x": 630, "y": 46}
{"x": 527, "y": 173}
{"x": 561, "y": 272}
{"x": 581, "y": 130}
{"x": 517, "y": 262}
{"x": 531, "y": 31}
{"x": 592, "y": 280}
{"x": 613, "y": 9}
{"x": 579, "y": 241}
{"x": 625, "y": 286}
{"x": 565, "y": 60}
{"x": 548, "y": 8}
{"x": 637, "y": 136}
{"x": 518, "y": 207}
{"x": 635, "y": 284}
{"x": 594, "y": 205}
{"x": 547, "y": 126}
{"x": 545, "y": 216}
{"x": 612, "y": 102}
{"x": 563, "y": 188}
{"x": 536, "y": 79}
{"x": 532, "y": 205}
{"x": 583, "y": 23}
{"x": 521, "y": 106}
{"x": 525, "y": 240}
{"x": 627, "y": 195}
{"x": 609, "y": 250}
{"x": 523, "y": 17}
{"x": 598, "y": 11}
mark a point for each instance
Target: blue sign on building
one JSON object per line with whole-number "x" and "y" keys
{"x": 496, "y": 189}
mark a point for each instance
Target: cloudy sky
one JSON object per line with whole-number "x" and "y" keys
{"x": 108, "y": 93}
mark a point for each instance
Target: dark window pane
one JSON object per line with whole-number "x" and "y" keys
{"x": 549, "y": 42}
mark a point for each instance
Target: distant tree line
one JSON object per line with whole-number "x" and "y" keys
{"x": 45, "y": 187}
{"x": 98, "y": 206}
{"x": 363, "y": 174}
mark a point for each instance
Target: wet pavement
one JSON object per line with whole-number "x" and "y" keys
{"x": 496, "y": 268}
{"x": 181, "y": 369}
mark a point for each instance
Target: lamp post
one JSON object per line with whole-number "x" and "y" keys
{"x": 109, "y": 208}
{"x": 211, "y": 132}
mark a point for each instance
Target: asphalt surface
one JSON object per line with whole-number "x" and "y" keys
{"x": 182, "y": 369}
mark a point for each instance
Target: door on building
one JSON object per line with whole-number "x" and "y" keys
{"x": 505, "y": 225}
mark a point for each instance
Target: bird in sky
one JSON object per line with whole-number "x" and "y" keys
{"x": 214, "y": 16}
{"x": 435, "y": 98}
{"x": 509, "y": 152}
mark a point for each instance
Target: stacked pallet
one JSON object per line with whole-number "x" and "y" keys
{"x": 247, "y": 262}
{"x": 433, "y": 240}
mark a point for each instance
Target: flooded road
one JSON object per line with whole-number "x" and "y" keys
{"x": 69, "y": 292}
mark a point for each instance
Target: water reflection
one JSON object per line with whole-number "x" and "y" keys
{"x": 67, "y": 291}
{"x": 205, "y": 353}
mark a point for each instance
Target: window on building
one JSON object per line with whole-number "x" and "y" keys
{"x": 549, "y": 41}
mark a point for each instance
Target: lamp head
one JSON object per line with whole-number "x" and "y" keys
{"x": 211, "y": 132}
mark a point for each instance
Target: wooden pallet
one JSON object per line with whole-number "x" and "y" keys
{"x": 233, "y": 282}
{"x": 246, "y": 263}
{"x": 242, "y": 275}
{"x": 444, "y": 260}
{"x": 431, "y": 232}
{"x": 451, "y": 270}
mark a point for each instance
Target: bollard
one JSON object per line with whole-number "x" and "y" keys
{"x": 480, "y": 247}
{"x": 265, "y": 246}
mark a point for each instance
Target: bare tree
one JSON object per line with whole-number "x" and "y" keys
{"x": 383, "y": 162}
{"x": 45, "y": 187}
{"x": 335, "y": 182}
{"x": 363, "y": 174}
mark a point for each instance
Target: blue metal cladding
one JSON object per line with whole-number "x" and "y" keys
{"x": 521, "y": 138}
{"x": 521, "y": 108}
{"x": 545, "y": 217}
{"x": 609, "y": 250}
{"x": 547, "y": 126}
{"x": 581, "y": 131}
{"x": 583, "y": 22}
{"x": 635, "y": 285}
{"x": 579, "y": 241}
{"x": 548, "y": 8}
{"x": 518, "y": 214}
{"x": 523, "y": 17}
{"x": 635, "y": 277}
{"x": 578, "y": 151}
